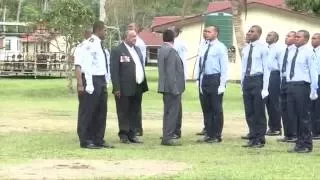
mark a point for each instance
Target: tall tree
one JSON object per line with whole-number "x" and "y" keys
{"x": 308, "y": 6}
{"x": 69, "y": 19}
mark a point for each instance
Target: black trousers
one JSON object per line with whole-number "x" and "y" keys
{"x": 289, "y": 125}
{"x": 92, "y": 112}
{"x": 254, "y": 107}
{"x": 298, "y": 103}
{"x": 315, "y": 114}
{"x": 129, "y": 113}
{"x": 211, "y": 104}
{"x": 172, "y": 116}
{"x": 273, "y": 102}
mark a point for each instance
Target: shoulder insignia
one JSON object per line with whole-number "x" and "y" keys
{"x": 91, "y": 39}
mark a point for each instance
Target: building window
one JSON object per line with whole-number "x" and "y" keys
{"x": 8, "y": 45}
{"x": 153, "y": 53}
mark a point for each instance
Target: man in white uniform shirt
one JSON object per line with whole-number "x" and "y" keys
{"x": 93, "y": 109}
{"x": 129, "y": 83}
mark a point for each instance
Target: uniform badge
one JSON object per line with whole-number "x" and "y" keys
{"x": 124, "y": 59}
{"x": 91, "y": 39}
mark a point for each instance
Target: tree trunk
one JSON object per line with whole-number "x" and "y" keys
{"x": 19, "y": 10}
{"x": 237, "y": 23}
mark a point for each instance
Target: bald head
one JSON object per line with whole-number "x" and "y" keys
{"x": 211, "y": 33}
{"x": 130, "y": 37}
{"x": 272, "y": 37}
{"x": 315, "y": 41}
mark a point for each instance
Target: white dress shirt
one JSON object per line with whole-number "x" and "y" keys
{"x": 142, "y": 46}
{"x": 137, "y": 62}
{"x": 94, "y": 61}
{"x": 181, "y": 48}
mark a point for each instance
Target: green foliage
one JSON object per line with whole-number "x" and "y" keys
{"x": 309, "y": 6}
{"x": 69, "y": 18}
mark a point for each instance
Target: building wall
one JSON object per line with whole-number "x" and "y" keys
{"x": 15, "y": 47}
{"x": 270, "y": 19}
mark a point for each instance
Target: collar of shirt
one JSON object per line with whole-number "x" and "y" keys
{"x": 96, "y": 38}
{"x": 272, "y": 45}
{"x": 213, "y": 42}
{"x": 254, "y": 43}
{"x": 128, "y": 47}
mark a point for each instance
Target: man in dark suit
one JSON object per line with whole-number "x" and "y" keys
{"x": 171, "y": 84}
{"x": 129, "y": 83}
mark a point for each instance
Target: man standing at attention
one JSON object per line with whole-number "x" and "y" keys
{"x": 171, "y": 84}
{"x": 93, "y": 100}
{"x": 129, "y": 83}
{"x": 315, "y": 109}
{"x": 289, "y": 126}
{"x": 302, "y": 84}
{"x": 255, "y": 82}
{"x": 272, "y": 103}
{"x": 212, "y": 76}
{"x": 142, "y": 46}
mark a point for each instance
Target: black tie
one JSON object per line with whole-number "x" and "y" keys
{"x": 105, "y": 56}
{"x": 204, "y": 59}
{"x": 293, "y": 63}
{"x": 285, "y": 61}
{"x": 249, "y": 62}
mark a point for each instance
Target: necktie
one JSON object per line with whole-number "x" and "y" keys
{"x": 249, "y": 62}
{"x": 204, "y": 59}
{"x": 285, "y": 61}
{"x": 105, "y": 57}
{"x": 293, "y": 63}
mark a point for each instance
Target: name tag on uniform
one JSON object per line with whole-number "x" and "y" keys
{"x": 124, "y": 59}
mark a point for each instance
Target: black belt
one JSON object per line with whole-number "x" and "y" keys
{"x": 298, "y": 83}
{"x": 211, "y": 75}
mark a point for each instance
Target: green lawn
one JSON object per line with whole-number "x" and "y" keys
{"x": 38, "y": 121}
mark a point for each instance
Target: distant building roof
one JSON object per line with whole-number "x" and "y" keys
{"x": 151, "y": 38}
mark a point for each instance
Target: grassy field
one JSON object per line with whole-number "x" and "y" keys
{"x": 38, "y": 121}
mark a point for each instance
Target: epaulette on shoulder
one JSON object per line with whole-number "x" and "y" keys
{"x": 91, "y": 40}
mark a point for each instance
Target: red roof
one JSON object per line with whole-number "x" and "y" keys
{"x": 223, "y": 5}
{"x": 29, "y": 38}
{"x": 218, "y": 6}
{"x": 151, "y": 38}
{"x": 160, "y": 20}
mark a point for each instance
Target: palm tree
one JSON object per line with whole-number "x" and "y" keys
{"x": 239, "y": 7}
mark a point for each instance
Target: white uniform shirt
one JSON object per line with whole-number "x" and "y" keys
{"x": 137, "y": 62}
{"x": 181, "y": 48}
{"x": 142, "y": 46}
{"x": 94, "y": 61}
{"x": 78, "y": 55}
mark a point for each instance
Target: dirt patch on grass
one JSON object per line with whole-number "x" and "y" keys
{"x": 91, "y": 169}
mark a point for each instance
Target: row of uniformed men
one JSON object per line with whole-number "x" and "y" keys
{"x": 268, "y": 72}
{"x": 125, "y": 64}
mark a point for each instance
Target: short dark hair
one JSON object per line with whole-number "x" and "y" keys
{"x": 258, "y": 28}
{"x": 168, "y": 36}
{"x": 306, "y": 34}
{"x": 98, "y": 25}
{"x": 276, "y": 35}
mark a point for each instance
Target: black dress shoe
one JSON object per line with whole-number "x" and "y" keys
{"x": 252, "y": 144}
{"x": 299, "y": 150}
{"x": 105, "y": 145}
{"x": 213, "y": 140}
{"x": 124, "y": 140}
{"x": 90, "y": 146}
{"x": 246, "y": 136}
{"x": 173, "y": 137}
{"x": 139, "y": 133}
{"x": 273, "y": 133}
{"x": 135, "y": 140}
{"x": 202, "y": 133}
{"x": 171, "y": 142}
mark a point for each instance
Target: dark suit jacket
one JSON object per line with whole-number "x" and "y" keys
{"x": 171, "y": 72}
{"x": 123, "y": 71}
